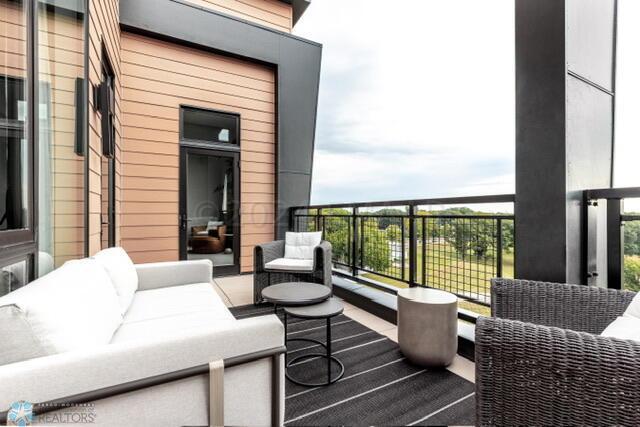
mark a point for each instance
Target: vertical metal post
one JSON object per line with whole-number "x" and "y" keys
{"x": 615, "y": 243}
{"x": 361, "y": 242}
{"x": 413, "y": 247}
{"x": 402, "y": 251}
{"x": 354, "y": 242}
{"x": 318, "y": 213}
{"x": 424, "y": 251}
{"x": 499, "y": 247}
{"x": 292, "y": 221}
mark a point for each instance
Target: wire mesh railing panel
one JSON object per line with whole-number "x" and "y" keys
{"x": 338, "y": 230}
{"x": 383, "y": 246}
{"x": 631, "y": 259}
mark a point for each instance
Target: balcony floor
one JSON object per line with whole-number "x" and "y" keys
{"x": 238, "y": 290}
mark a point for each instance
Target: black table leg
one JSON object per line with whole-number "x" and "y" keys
{"x": 328, "y": 350}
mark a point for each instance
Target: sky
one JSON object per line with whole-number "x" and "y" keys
{"x": 417, "y": 99}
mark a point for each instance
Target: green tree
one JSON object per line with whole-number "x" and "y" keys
{"x": 394, "y": 233}
{"x": 632, "y": 238}
{"x": 632, "y": 273}
{"x": 375, "y": 251}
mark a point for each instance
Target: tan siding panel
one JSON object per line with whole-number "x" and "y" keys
{"x": 151, "y": 104}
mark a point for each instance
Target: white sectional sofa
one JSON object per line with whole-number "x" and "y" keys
{"x": 99, "y": 322}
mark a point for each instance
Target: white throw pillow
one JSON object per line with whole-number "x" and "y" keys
{"x": 122, "y": 272}
{"x": 624, "y": 328}
{"x": 74, "y": 307}
{"x": 634, "y": 308}
{"x": 301, "y": 245}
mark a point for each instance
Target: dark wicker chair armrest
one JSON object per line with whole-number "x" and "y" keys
{"x": 322, "y": 260}
{"x": 538, "y": 375}
{"x": 266, "y": 253}
{"x": 580, "y": 308}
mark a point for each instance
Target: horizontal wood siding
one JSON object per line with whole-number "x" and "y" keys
{"x": 270, "y": 13}
{"x": 104, "y": 28}
{"x": 157, "y": 78}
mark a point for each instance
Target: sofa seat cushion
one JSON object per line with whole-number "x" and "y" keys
{"x": 176, "y": 300}
{"x": 162, "y": 328}
{"x": 122, "y": 272}
{"x": 74, "y": 307}
{"x": 289, "y": 264}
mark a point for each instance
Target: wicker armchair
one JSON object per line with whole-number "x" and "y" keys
{"x": 540, "y": 360}
{"x": 268, "y": 252}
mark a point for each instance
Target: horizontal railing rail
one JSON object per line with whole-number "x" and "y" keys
{"x": 144, "y": 383}
{"x": 393, "y": 244}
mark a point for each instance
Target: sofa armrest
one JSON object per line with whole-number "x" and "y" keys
{"x": 247, "y": 387}
{"x": 580, "y": 308}
{"x": 529, "y": 374}
{"x": 166, "y": 274}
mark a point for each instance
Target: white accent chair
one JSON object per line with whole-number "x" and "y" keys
{"x": 100, "y": 322}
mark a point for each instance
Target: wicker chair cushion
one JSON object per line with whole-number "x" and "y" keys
{"x": 634, "y": 308}
{"x": 287, "y": 264}
{"x": 301, "y": 245}
{"x": 624, "y": 328}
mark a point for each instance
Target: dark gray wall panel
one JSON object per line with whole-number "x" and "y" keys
{"x": 298, "y": 66}
{"x": 540, "y": 140}
{"x": 590, "y": 39}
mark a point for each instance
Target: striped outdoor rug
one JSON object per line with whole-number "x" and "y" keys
{"x": 379, "y": 388}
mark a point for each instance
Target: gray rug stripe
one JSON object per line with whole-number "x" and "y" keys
{"x": 434, "y": 413}
{"x": 379, "y": 388}
{"x": 348, "y": 399}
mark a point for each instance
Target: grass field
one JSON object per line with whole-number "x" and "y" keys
{"x": 468, "y": 278}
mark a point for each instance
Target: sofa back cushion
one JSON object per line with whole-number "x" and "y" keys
{"x": 122, "y": 272}
{"x": 71, "y": 308}
{"x": 301, "y": 245}
{"x": 634, "y": 308}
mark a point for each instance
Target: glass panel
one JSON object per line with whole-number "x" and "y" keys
{"x": 61, "y": 145}
{"x": 210, "y": 209}
{"x": 14, "y": 182}
{"x": 12, "y": 277}
{"x": 209, "y": 126}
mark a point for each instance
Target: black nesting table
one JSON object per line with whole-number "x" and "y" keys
{"x": 307, "y": 301}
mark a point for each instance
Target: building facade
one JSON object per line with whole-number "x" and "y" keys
{"x": 175, "y": 129}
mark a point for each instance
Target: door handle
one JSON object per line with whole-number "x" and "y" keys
{"x": 183, "y": 222}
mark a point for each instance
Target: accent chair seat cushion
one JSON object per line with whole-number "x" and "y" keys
{"x": 624, "y": 328}
{"x": 290, "y": 264}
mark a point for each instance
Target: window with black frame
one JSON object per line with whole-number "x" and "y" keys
{"x": 106, "y": 104}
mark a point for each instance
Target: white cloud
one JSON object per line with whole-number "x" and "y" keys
{"x": 417, "y": 98}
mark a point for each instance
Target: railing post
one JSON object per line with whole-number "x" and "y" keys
{"x": 318, "y": 213}
{"x": 413, "y": 247}
{"x": 615, "y": 249}
{"x": 354, "y": 242}
{"x": 499, "y": 248}
{"x": 292, "y": 221}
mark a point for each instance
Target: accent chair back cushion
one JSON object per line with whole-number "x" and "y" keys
{"x": 74, "y": 307}
{"x": 301, "y": 245}
{"x": 122, "y": 272}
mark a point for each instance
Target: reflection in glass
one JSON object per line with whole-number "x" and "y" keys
{"x": 12, "y": 277}
{"x": 209, "y": 126}
{"x": 13, "y": 117}
{"x": 210, "y": 209}
{"x": 61, "y": 144}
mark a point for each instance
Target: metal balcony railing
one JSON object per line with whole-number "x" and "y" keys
{"x": 448, "y": 244}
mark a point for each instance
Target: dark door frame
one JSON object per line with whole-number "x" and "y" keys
{"x": 185, "y": 150}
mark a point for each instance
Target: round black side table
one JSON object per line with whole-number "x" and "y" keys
{"x": 326, "y": 310}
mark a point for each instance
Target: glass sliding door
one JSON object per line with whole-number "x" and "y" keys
{"x": 209, "y": 191}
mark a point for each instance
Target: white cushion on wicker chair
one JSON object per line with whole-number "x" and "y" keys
{"x": 624, "y": 328}
{"x": 288, "y": 264}
{"x": 301, "y": 245}
{"x": 634, "y": 308}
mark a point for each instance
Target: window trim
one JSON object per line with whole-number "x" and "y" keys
{"x": 199, "y": 143}
{"x": 23, "y": 241}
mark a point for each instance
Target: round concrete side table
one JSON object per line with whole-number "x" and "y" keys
{"x": 428, "y": 326}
